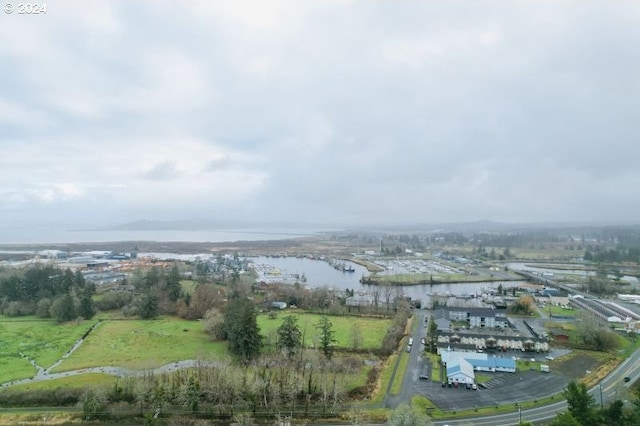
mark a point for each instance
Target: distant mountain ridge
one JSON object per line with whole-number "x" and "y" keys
{"x": 474, "y": 226}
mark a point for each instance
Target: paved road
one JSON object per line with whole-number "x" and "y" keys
{"x": 415, "y": 367}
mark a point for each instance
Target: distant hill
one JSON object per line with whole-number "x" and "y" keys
{"x": 490, "y": 227}
{"x": 464, "y": 227}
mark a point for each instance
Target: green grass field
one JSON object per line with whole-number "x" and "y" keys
{"x": 139, "y": 344}
{"x": 408, "y": 279}
{"x": 371, "y": 330}
{"x": 558, "y": 310}
{"x": 142, "y": 344}
{"x": 400, "y": 373}
{"x": 188, "y": 286}
{"x": 74, "y": 382}
{"x": 41, "y": 340}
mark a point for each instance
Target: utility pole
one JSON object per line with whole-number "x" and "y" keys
{"x": 601, "y": 400}
{"x": 519, "y": 412}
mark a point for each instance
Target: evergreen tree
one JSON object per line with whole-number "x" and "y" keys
{"x": 151, "y": 279}
{"x": 86, "y": 308}
{"x": 432, "y": 332}
{"x": 241, "y": 325}
{"x": 173, "y": 284}
{"x": 327, "y": 339}
{"x": 78, "y": 280}
{"x": 289, "y": 336}
{"x": 565, "y": 419}
{"x": 581, "y": 405}
{"x": 613, "y": 415}
{"x": 148, "y": 306}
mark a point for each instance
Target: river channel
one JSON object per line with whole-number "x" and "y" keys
{"x": 319, "y": 273}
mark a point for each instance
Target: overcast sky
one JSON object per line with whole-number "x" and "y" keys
{"x": 339, "y": 112}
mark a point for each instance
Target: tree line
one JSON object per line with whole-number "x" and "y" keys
{"x": 46, "y": 291}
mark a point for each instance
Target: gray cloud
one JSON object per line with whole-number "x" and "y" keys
{"x": 336, "y": 111}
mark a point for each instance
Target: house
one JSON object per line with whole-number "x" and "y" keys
{"x": 442, "y": 320}
{"x": 458, "y": 363}
{"x": 479, "y": 317}
{"x": 443, "y": 324}
{"x": 471, "y": 342}
{"x": 460, "y": 372}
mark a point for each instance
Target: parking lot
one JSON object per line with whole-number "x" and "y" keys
{"x": 503, "y": 388}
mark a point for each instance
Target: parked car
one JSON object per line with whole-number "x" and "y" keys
{"x": 627, "y": 379}
{"x": 444, "y": 384}
{"x": 423, "y": 377}
{"x": 482, "y": 385}
{"x": 474, "y": 386}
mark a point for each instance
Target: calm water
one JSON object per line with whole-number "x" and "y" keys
{"x": 320, "y": 274}
{"x": 46, "y": 235}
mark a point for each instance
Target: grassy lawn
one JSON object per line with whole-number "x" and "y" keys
{"x": 526, "y": 364}
{"x": 547, "y": 253}
{"x": 408, "y": 279}
{"x": 558, "y": 310}
{"x": 372, "y": 330}
{"x": 385, "y": 379}
{"x": 482, "y": 378}
{"x": 188, "y": 286}
{"x": 357, "y": 378}
{"x": 629, "y": 345}
{"x": 142, "y": 344}
{"x": 494, "y": 409}
{"x": 42, "y": 340}
{"x": 402, "y": 369}
{"x": 435, "y": 366}
{"x": 74, "y": 382}
{"x": 423, "y": 404}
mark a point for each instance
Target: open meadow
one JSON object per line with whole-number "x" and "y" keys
{"x": 144, "y": 344}
{"x": 369, "y": 332}
{"x": 43, "y": 341}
